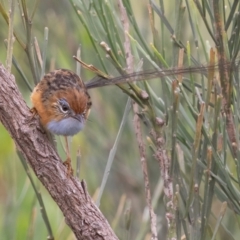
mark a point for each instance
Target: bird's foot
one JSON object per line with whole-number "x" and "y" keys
{"x": 68, "y": 165}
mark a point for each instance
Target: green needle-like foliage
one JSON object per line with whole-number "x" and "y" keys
{"x": 189, "y": 119}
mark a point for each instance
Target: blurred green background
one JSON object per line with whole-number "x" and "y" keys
{"x": 19, "y": 210}
{"x": 17, "y": 200}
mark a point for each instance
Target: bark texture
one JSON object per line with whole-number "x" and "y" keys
{"x": 81, "y": 214}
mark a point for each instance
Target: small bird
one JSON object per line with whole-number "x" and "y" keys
{"x": 63, "y": 104}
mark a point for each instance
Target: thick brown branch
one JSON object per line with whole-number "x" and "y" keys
{"x": 81, "y": 214}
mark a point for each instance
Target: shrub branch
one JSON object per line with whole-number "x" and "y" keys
{"x": 80, "y": 212}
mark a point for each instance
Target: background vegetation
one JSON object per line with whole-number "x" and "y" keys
{"x": 204, "y": 169}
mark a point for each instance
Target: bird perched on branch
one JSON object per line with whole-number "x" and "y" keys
{"x": 63, "y": 104}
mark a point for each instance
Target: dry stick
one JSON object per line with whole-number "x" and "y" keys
{"x": 225, "y": 79}
{"x": 142, "y": 151}
{"x": 127, "y": 45}
{"x": 137, "y": 126}
{"x": 165, "y": 163}
{"x": 10, "y": 35}
{"x": 80, "y": 212}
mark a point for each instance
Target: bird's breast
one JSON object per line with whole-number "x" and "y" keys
{"x": 67, "y": 126}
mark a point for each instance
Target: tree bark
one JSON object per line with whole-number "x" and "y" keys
{"x": 80, "y": 212}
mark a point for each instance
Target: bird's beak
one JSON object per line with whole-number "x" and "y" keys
{"x": 79, "y": 117}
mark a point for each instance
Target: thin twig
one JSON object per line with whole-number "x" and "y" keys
{"x": 38, "y": 195}
{"x": 142, "y": 151}
{"x": 113, "y": 152}
{"x": 10, "y": 35}
{"x": 137, "y": 125}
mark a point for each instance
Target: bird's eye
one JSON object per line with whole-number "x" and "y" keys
{"x": 64, "y": 106}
